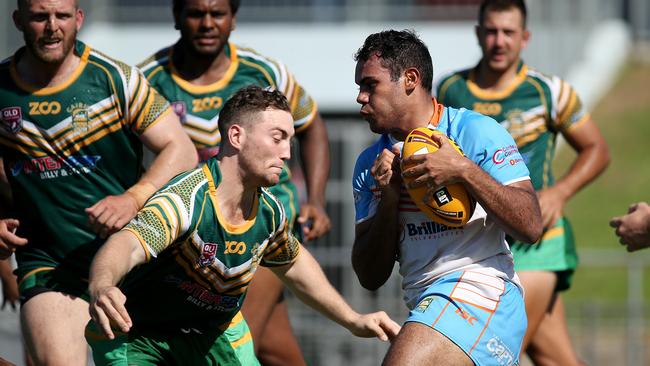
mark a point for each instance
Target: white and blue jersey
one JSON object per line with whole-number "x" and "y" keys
{"x": 475, "y": 256}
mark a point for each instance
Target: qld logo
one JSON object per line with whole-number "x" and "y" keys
{"x": 208, "y": 254}
{"x": 12, "y": 119}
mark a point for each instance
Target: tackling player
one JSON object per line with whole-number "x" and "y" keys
{"x": 198, "y": 74}
{"x": 186, "y": 260}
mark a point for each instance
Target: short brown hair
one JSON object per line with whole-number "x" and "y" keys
{"x": 501, "y": 5}
{"x": 248, "y": 100}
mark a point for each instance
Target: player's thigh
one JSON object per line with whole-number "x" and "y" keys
{"x": 278, "y": 345}
{"x": 262, "y": 295}
{"x": 539, "y": 287}
{"x": 53, "y": 326}
{"x": 419, "y": 345}
{"x": 551, "y": 344}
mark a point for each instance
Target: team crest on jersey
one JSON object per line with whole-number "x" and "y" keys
{"x": 514, "y": 122}
{"x": 80, "y": 117}
{"x": 256, "y": 253}
{"x": 180, "y": 109}
{"x": 12, "y": 119}
{"x": 208, "y": 254}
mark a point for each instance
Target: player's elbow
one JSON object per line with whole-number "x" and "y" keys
{"x": 531, "y": 232}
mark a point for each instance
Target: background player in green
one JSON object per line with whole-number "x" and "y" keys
{"x": 198, "y": 74}
{"x": 535, "y": 108}
{"x": 207, "y": 231}
{"x": 73, "y": 125}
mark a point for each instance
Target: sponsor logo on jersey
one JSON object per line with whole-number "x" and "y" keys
{"x": 180, "y": 108}
{"x": 501, "y": 154}
{"x": 203, "y": 297}
{"x": 427, "y": 230}
{"x": 234, "y": 247}
{"x": 500, "y": 352}
{"x": 489, "y": 109}
{"x": 423, "y": 305}
{"x": 55, "y": 166}
{"x": 208, "y": 253}
{"x": 44, "y": 108}
{"x": 80, "y": 117}
{"x": 206, "y": 104}
{"x": 12, "y": 119}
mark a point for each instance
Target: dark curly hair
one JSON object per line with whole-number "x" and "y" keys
{"x": 399, "y": 50}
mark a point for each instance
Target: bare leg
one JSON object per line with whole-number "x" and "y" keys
{"x": 53, "y": 325}
{"x": 539, "y": 287}
{"x": 279, "y": 345}
{"x": 267, "y": 318}
{"x": 419, "y": 345}
{"x": 551, "y": 344}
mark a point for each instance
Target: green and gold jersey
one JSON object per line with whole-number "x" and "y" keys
{"x": 534, "y": 109}
{"x": 67, "y": 147}
{"x": 198, "y": 107}
{"x": 198, "y": 265}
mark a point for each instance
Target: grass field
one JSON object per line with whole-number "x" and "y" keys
{"x": 624, "y": 118}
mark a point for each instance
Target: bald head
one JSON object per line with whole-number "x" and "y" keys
{"x": 23, "y": 4}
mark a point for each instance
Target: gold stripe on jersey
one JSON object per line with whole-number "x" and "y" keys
{"x": 573, "y": 106}
{"x": 243, "y": 340}
{"x": 238, "y": 318}
{"x": 263, "y": 71}
{"x": 110, "y": 78}
{"x": 143, "y": 244}
{"x": 83, "y": 61}
{"x": 33, "y": 272}
{"x": 227, "y": 226}
{"x": 501, "y": 94}
{"x": 579, "y": 122}
{"x": 446, "y": 84}
{"x": 210, "y": 88}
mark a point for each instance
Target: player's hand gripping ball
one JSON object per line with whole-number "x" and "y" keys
{"x": 451, "y": 205}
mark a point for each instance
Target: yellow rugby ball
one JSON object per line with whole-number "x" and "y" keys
{"x": 451, "y": 205}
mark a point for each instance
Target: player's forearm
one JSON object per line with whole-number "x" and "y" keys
{"x": 307, "y": 281}
{"x": 375, "y": 245}
{"x": 514, "y": 207}
{"x": 176, "y": 157}
{"x": 589, "y": 164}
{"x": 314, "y": 153}
{"x": 121, "y": 252}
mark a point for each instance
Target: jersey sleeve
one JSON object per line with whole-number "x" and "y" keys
{"x": 492, "y": 148}
{"x": 145, "y": 105}
{"x": 364, "y": 188}
{"x": 303, "y": 107}
{"x": 168, "y": 214}
{"x": 283, "y": 247}
{"x": 569, "y": 109}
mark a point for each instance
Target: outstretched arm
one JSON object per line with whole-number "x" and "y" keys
{"x": 314, "y": 154}
{"x": 591, "y": 161}
{"x": 306, "y": 279}
{"x": 112, "y": 262}
{"x": 175, "y": 154}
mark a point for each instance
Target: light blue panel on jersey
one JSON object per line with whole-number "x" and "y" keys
{"x": 483, "y": 314}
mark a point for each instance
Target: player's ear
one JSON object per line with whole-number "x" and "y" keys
{"x": 79, "y": 18}
{"x": 525, "y": 38}
{"x": 17, "y": 22}
{"x": 236, "y": 136}
{"x": 411, "y": 78}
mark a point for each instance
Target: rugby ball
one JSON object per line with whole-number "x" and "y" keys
{"x": 451, "y": 205}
